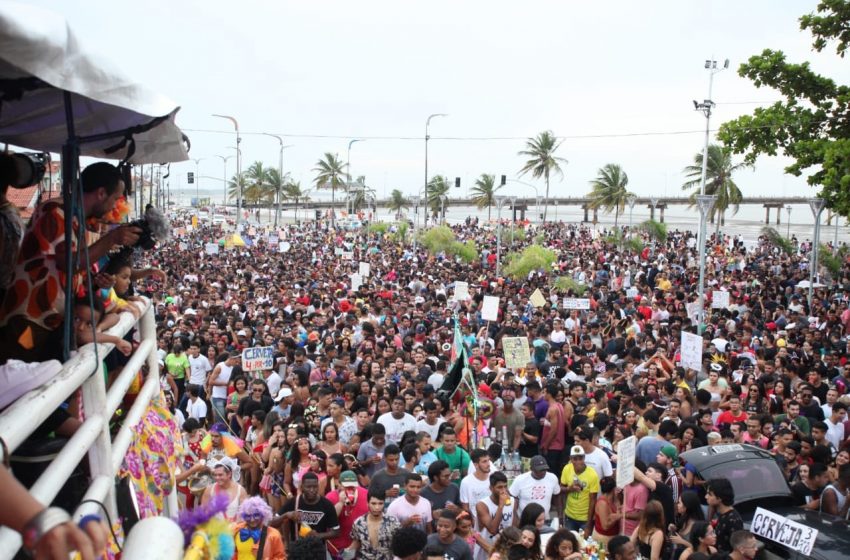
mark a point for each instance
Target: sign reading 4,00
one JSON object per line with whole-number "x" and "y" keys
{"x": 258, "y": 358}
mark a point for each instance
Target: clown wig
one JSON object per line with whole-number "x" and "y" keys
{"x": 254, "y": 506}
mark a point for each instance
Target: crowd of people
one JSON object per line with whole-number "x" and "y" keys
{"x": 352, "y": 444}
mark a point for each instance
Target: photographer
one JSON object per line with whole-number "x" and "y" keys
{"x": 32, "y": 316}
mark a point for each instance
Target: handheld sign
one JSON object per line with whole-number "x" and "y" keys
{"x": 258, "y": 358}
{"x": 626, "y": 461}
{"x": 273, "y": 239}
{"x": 693, "y": 310}
{"x": 356, "y": 282}
{"x": 461, "y": 291}
{"x": 490, "y": 308}
{"x": 211, "y": 248}
{"x": 364, "y": 269}
{"x": 720, "y": 299}
{"x": 691, "y": 351}
{"x": 517, "y": 353}
{"x": 284, "y": 246}
{"x": 576, "y": 303}
{"x": 537, "y": 299}
{"x": 777, "y": 528}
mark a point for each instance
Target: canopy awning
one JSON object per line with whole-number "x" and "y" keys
{"x": 41, "y": 59}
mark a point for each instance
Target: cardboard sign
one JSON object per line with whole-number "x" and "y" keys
{"x": 364, "y": 269}
{"x": 626, "y": 461}
{"x": 258, "y": 358}
{"x": 347, "y": 255}
{"x": 720, "y": 299}
{"x": 774, "y": 527}
{"x": 356, "y": 281}
{"x": 273, "y": 239}
{"x": 338, "y": 252}
{"x": 691, "y": 351}
{"x": 517, "y": 353}
{"x": 461, "y": 291}
{"x": 490, "y": 308}
{"x": 537, "y": 299}
{"x": 284, "y": 246}
{"x": 211, "y": 248}
{"x": 693, "y": 311}
{"x": 576, "y": 303}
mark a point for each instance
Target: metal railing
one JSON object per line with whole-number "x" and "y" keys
{"x": 105, "y": 455}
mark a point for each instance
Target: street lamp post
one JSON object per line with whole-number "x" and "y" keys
{"x": 348, "y": 171}
{"x": 224, "y": 161}
{"x": 817, "y": 205}
{"x": 631, "y": 200}
{"x": 705, "y": 203}
{"x": 238, "y": 168}
{"x": 279, "y": 173}
{"x": 705, "y": 108}
{"x": 513, "y": 218}
{"x": 788, "y": 223}
{"x": 427, "y": 137}
{"x": 415, "y": 201}
{"x": 198, "y": 179}
{"x": 443, "y": 200}
{"x": 500, "y": 201}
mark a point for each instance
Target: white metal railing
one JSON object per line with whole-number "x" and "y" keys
{"x": 105, "y": 456}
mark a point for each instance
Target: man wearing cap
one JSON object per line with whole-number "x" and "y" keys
{"x": 350, "y": 501}
{"x": 283, "y": 401}
{"x": 536, "y": 485}
{"x": 668, "y": 457}
{"x": 581, "y": 485}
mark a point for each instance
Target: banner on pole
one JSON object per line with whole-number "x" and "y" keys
{"x": 517, "y": 353}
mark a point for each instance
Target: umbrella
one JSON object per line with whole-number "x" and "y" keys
{"x": 806, "y": 284}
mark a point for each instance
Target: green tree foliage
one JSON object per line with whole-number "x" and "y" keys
{"x": 484, "y": 192}
{"x": 533, "y": 258}
{"x": 623, "y": 242}
{"x": 400, "y": 235}
{"x": 292, "y": 191}
{"x": 831, "y": 260}
{"x": 441, "y": 239}
{"x": 609, "y": 190}
{"x": 567, "y": 286}
{"x": 398, "y": 202}
{"x": 811, "y": 125}
{"x": 378, "y": 228}
{"x": 655, "y": 230}
{"x": 330, "y": 174}
{"x": 236, "y": 186}
{"x": 718, "y": 181}
{"x": 542, "y": 161}
{"x": 775, "y": 239}
{"x": 438, "y": 187}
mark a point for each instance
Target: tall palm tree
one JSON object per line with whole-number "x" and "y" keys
{"x": 330, "y": 175}
{"x": 484, "y": 192}
{"x": 398, "y": 202}
{"x": 236, "y": 186}
{"x": 362, "y": 194}
{"x": 438, "y": 187}
{"x": 542, "y": 161}
{"x": 718, "y": 181}
{"x": 276, "y": 185}
{"x": 257, "y": 191}
{"x": 292, "y": 191}
{"x": 609, "y": 190}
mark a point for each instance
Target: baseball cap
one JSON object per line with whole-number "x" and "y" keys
{"x": 576, "y": 451}
{"x": 348, "y": 478}
{"x": 283, "y": 393}
{"x": 538, "y": 463}
{"x": 670, "y": 452}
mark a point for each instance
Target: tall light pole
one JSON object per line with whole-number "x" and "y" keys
{"x": 500, "y": 201}
{"x": 238, "y": 168}
{"x": 817, "y": 205}
{"x": 224, "y": 161}
{"x": 631, "y": 200}
{"x": 788, "y": 223}
{"x": 348, "y": 168}
{"x": 415, "y": 200}
{"x": 198, "y": 179}
{"x": 279, "y": 173}
{"x": 427, "y": 137}
{"x": 704, "y": 203}
{"x": 443, "y": 200}
{"x": 705, "y": 108}
{"x": 513, "y": 219}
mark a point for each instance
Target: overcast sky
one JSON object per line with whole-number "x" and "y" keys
{"x": 500, "y": 69}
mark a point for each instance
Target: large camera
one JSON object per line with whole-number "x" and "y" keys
{"x": 22, "y": 170}
{"x": 154, "y": 226}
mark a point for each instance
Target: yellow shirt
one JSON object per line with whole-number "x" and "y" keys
{"x": 578, "y": 503}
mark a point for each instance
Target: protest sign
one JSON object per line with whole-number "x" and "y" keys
{"x": 691, "y": 351}
{"x": 719, "y": 299}
{"x": 461, "y": 291}
{"x": 576, "y": 303}
{"x": 777, "y": 528}
{"x": 364, "y": 269}
{"x": 517, "y": 353}
{"x": 211, "y": 248}
{"x": 356, "y": 281}
{"x": 536, "y": 298}
{"x": 347, "y": 255}
{"x": 338, "y": 252}
{"x": 490, "y": 308}
{"x": 626, "y": 461}
{"x": 284, "y": 246}
{"x": 273, "y": 239}
{"x": 258, "y": 358}
{"x": 693, "y": 310}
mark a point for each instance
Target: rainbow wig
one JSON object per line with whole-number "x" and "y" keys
{"x": 207, "y": 535}
{"x": 255, "y": 506}
{"x": 232, "y": 445}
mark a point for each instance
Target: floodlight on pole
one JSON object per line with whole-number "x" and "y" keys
{"x": 705, "y": 203}
{"x": 238, "y": 167}
{"x": 817, "y": 205}
{"x": 224, "y": 161}
{"x": 280, "y": 174}
{"x": 513, "y": 218}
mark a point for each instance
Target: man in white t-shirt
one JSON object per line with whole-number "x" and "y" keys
{"x": 537, "y": 485}
{"x": 411, "y": 509}
{"x": 196, "y": 407}
{"x": 397, "y": 421}
{"x": 432, "y": 421}
{"x": 593, "y": 456}
{"x": 199, "y": 367}
{"x": 476, "y": 485}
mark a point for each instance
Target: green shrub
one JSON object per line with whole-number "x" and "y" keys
{"x": 566, "y": 285}
{"x": 533, "y": 257}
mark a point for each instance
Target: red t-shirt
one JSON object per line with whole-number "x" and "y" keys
{"x": 348, "y": 515}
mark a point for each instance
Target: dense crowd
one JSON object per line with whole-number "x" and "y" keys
{"x": 352, "y": 437}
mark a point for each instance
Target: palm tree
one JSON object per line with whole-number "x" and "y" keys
{"x": 542, "y": 160}
{"x": 276, "y": 185}
{"x": 236, "y": 186}
{"x": 718, "y": 181}
{"x": 257, "y": 191}
{"x": 292, "y": 191}
{"x": 484, "y": 192}
{"x": 398, "y": 202}
{"x": 437, "y": 188}
{"x": 362, "y": 195}
{"x": 609, "y": 190}
{"x": 330, "y": 175}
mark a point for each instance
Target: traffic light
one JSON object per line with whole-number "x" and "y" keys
{"x": 191, "y": 177}
{"x": 504, "y": 180}
{"x": 457, "y": 182}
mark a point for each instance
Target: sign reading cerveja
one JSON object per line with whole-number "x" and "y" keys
{"x": 777, "y": 528}
{"x": 258, "y": 358}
